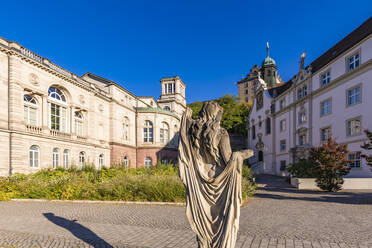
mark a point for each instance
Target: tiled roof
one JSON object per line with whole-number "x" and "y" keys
{"x": 346, "y": 43}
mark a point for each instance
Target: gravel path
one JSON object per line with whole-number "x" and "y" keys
{"x": 278, "y": 216}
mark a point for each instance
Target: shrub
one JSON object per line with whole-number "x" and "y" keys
{"x": 330, "y": 164}
{"x": 303, "y": 168}
{"x": 158, "y": 183}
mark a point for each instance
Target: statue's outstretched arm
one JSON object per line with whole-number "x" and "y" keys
{"x": 224, "y": 146}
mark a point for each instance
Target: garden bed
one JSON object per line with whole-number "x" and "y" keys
{"x": 160, "y": 183}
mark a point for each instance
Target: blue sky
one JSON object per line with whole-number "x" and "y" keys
{"x": 209, "y": 44}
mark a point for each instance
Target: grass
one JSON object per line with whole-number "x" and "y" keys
{"x": 159, "y": 183}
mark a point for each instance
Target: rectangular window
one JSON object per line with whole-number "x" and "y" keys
{"x": 246, "y": 92}
{"x": 30, "y": 115}
{"x": 283, "y": 145}
{"x": 253, "y": 132}
{"x": 325, "y": 78}
{"x": 145, "y": 135}
{"x": 282, "y": 125}
{"x": 268, "y": 126}
{"x": 325, "y": 107}
{"x": 302, "y": 92}
{"x": 353, "y": 96}
{"x": 325, "y": 134}
{"x": 283, "y": 165}
{"x": 354, "y": 157}
{"x": 170, "y": 89}
{"x": 301, "y": 139}
{"x": 302, "y": 117}
{"x": 282, "y": 104}
{"x": 353, "y": 127}
{"x": 353, "y": 62}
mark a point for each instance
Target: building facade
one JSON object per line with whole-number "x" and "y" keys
{"x": 51, "y": 117}
{"x": 329, "y": 96}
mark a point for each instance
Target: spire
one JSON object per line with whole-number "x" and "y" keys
{"x": 267, "y": 48}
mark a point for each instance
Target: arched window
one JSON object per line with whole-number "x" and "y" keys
{"x": 126, "y": 128}
{"x": 79, "y": 124}
{"x": 126, "y": 162}
{"x": 167, "y": 108}
{"x": 100, "y": 161}
{"x": 30, "y": 110}
{"x": 148, "y": 162}
{"x": 164, "y": 133}
{"x": 57, "y": 110}
{"x": 34, "y": 156}
{"x": 148, "y": 132}
{"x": 81, "y": 158}
{"x": 65, "y": 158}
{"x": 55, "y": 157}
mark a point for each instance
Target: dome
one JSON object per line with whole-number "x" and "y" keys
{"x": 268, "y": 61}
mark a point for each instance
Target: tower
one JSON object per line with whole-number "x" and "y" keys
{"x": 172, "y": 96}
{"x": 268, "y": 68}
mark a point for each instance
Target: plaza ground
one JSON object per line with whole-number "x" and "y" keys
{"x": 278, "y": 216}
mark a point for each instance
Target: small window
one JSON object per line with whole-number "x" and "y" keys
{"x": 281, "y": 104}
{"x": 302, "y": 92}
{"x": 81, "y": 158}
{"x": 34, "y": 156}
{"x": 164, "y": 133}
{"x": 301, "y": 139}
{"x": 253, "y": 132}
{"x": 353, "y": 62}
{"x": 283, "y": 145}
{"x": 100, "y": 161}
{"x": 148, "y": 162}
{"x": 283, "y": 165}
{"x": 325, "y": 107}
{"x": 283, "y": 125}
{"x": 268, "y": 126}
{"x": 325, "y": 133}
{"x": 148, "y": 132}
{"x": 126, "y": 162}
{"x": 325, "y": 78}
{"x": 302, "y": 117}
{"x": 30, "y": 110}
{"x": 354, "y": 157}
{"x": 65, "y": 158}
{"x": 353, "y": 127}
{"x": 55, "y": 157}
{"x": 167, "y": 108}
{"x": 246, "y": 92}
{"x": 126, "y": 128}
{"x": 353, "y": 96}
{"x": 78, "y": 124}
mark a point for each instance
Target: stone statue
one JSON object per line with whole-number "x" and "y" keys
{"x": 212, "y": 174}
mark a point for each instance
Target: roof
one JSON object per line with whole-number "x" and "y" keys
{"x": 346, "y": 43}
{"x": 268, "y": 61}
{"x": 276, "y": 91}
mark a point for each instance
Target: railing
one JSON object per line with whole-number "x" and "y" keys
{"x": 59, "y": 69}
{"x": 81, "y": 138}
{"x": 34, "y": 129}
{"x": 31, "y": 55}
{"x": 56, "y": 133}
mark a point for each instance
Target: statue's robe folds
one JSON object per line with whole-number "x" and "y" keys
{"x": 212, "y": 202}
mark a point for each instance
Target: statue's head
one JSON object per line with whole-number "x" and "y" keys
{"x": 211, "y": 111}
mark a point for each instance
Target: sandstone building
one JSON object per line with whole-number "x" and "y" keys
{"x": 329, "y": 96}
{"x": 51, "y": 117}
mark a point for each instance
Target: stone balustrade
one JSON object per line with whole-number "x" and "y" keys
{"x": 56, "y": 133}
{"x": 31, "y": 55}
{"x": 34, "y": 129}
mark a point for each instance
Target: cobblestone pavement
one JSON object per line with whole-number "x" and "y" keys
{"x": 278, "y": 216}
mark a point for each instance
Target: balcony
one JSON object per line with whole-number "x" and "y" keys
{"x": 81, "y": 138}
{"x": 59, "y": 134}
{"x": 34, "y": 129}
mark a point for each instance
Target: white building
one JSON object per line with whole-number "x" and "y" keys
{"x": 330, "y": 95}
{"x": 51, "y": 117}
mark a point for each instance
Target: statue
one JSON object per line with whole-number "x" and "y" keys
{"x": 302, "y": 61}
{"x": 212, "y": 174}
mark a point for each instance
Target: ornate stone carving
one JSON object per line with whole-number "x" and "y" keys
{"x": 211, "y": 173}
{"x": 81, "y": 99}
{"x": 33, "y": 79}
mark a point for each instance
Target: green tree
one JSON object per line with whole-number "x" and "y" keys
{"x": 330, "y": 164}
{"x": 368, "y": 146}
{"x": 234, "y": 116}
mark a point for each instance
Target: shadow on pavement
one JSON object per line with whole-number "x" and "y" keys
{"x": 78, "y": 230}
{"x": 275, "y": 187}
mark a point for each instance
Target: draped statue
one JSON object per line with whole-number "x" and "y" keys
{"x": 212, "y": 174}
